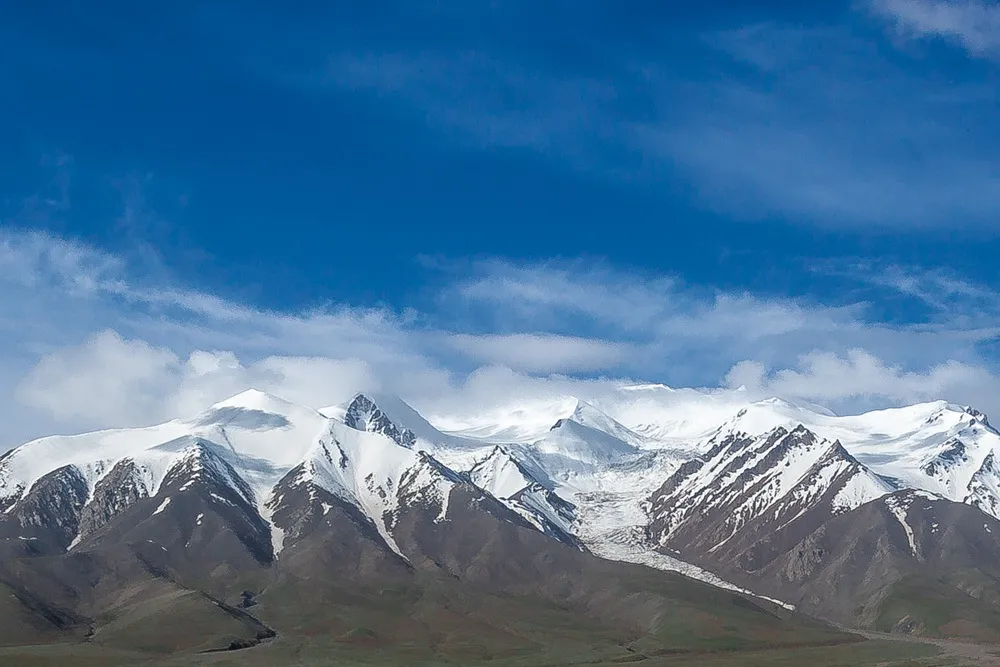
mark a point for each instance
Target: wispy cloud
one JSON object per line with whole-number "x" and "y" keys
{"x": 825, "y": 128}
{"x": 490, "y": 102}
{"x": 972, "y": 24}
{"x": 850, "y": 137}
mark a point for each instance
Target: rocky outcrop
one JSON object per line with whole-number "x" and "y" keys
{"x": 49, "y": 514}
{"x": 364, "y": 415}
{"x": 119, "y": 490}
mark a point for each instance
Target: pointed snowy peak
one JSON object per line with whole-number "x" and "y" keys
{"x": 587, "y": 415}
{"x": 202, "y": 467}
{"x": 746, "y": 486}
{"x": 364, "y": 414}
{"x": 514, "y": 483}
{"x": 255, "y": 410}
{"x": 572, "y": 443}
{"x": 372, "y": 472}
{"x": 502, "y": 475}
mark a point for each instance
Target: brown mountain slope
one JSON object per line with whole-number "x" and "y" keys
{"x": 478, "y": 581}
{"x": 865, "y": 568}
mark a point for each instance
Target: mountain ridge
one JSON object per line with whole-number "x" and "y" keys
{"x": 730, "y": 506}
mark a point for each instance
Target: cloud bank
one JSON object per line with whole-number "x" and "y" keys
{"x": 89, "y": 342}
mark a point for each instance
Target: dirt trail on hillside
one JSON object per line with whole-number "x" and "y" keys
{"x": 973, "y": 655}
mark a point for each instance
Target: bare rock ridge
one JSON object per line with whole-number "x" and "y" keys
{"x": 122, "y": 488}
{"x": 364, "y": 415}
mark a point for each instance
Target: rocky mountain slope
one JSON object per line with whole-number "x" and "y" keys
{"x": 257, "y": 501}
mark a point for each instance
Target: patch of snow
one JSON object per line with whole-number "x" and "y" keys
{"x": 443, "y": 515}
{"x": 898, "y": 507}
{"x": 859, "y": 490}
{"x": 222, "y": 500}
{"x": 162, "y": 506}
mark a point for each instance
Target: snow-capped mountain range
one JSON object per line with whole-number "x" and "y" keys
{"x": 676, "y": 479}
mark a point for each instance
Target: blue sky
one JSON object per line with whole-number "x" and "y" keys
{"x": 439, "y": 198}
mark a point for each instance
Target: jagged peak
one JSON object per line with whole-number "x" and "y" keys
{"x": 500, "y": 455}
{"x": 203, "y": 462}
{"x": 800, "y": 430}
{"x": 364, "y": 414}
{"x": 907, "y": 496}
{"x": 837, "y": 449}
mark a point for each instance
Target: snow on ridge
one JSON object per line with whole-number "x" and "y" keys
{"x": 163, "y": 506}
{"x": 377, "y": 475}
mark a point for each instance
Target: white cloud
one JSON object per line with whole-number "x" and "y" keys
{"x": 105, "y": 381}
{"x": 86, "y": 343}
{"x": 862, "y": 380}
{"x": 541, "y": 353}
{"x": 108, "y": 380}
{"x": 850, "y": 137}
{"x": 974, "y": 24}
{"x": 550, "y": 291}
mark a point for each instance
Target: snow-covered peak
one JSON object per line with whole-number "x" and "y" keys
{"x": 519, "y": 485}
{"x": 588, "y": 415}
{"x": 521, "y": 421}
{"x": 375, "y": 473}
{"x": 501, "y": 474}
{"x": 776, "y": 477}
{"x": 572, "y": 446}
{"x": 255, "y": 399}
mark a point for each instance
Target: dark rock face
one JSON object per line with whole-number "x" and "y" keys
{"x": 199, "y": 550}
{"x": 49, "y": 514}
{"x": 116, "y": 492}
{"x": 846, "y": 568}
{"x": 215, "y": 485}
{"x": 326, "y": 537}
{"x": 11, "y": 496}
{"x": 363, "y": 415}
{"x": 955, "y": 455}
